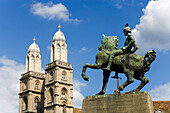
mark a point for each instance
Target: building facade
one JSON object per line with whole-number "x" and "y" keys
{"x": 51, "y": 92}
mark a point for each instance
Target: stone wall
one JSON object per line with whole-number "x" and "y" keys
{"x": 124, "y": 103}
{"x": 77, "y": 110}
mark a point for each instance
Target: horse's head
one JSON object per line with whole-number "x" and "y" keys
{"x": 109, "y": 43}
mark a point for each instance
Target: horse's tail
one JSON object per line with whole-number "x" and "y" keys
{"x": 148, "y": 59}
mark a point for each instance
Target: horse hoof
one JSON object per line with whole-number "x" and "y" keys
{"x": 86, "y": 78}
{"x": 100, "y": 93}
{"x": 117, "y": 92}
{"x": 121, "y": 88}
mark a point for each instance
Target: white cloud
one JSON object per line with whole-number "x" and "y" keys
{"x": 118, "y": 6}
{"x": 141, "y": 4}
{"x": 10, "y": 72}
{"x": 52, "y": 11}
{"x": 9, "y": 86}
{"x": 83, "y": 49}
{"x": 161, "y": 92}
{"x": 121, "y": 3}
{"x": 153, "y": 29}
{"x": 48, "y": 48}
{"x": 78, "y": 97}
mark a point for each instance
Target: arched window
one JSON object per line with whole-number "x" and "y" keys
{"x": 32, "y": 62}
{"x": 32, "y": 59}
{"x": 37, "y": 84}
{"x": 64, "y": 93}
{"x": 62, "y": 50}
{"x": 50, "y": 96}
{"x": 63, "y": 75}
{"x": 58, "y": 50}
{"x": 37, "y": 59}
{"x": 51, "y": 76}
{"x": 36, "y": 102}
{"x": 25, "y": 103}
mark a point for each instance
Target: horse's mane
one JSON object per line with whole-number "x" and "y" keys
{"x": 109, "y": 43}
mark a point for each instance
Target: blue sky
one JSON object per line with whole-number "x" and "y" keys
{"x": 83, "y": 22}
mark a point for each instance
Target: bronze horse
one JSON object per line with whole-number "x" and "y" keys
{"x": 132, "y": 65}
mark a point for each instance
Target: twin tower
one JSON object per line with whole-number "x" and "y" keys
{"x": 51, "y": 92}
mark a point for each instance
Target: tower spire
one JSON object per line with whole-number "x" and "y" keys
{"x": 34, "y": 39}
{"x": 59, "y": 27}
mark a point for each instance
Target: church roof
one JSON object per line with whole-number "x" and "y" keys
{"x": 162, "y": 105}
{"x": 34, "y": 47}
{"x": 59, "y": 35}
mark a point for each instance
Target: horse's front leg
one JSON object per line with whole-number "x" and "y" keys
{"x": 93, "y": 66}
{"x": 106, "y": 75}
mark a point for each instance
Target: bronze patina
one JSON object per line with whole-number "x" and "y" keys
{"x": 122, "y": 60}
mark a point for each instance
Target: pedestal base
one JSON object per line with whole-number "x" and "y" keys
{"x": 124, "y": 103}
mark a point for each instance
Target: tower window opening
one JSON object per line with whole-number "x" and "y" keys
{"x": 50, "y": 96}
{"x": 37, "y": 61}
{"x": 36, "y": 101}
{"x": 62, "y": 50}
{"x": 58, "y": 49}
{"x": 37, "y": 85}
{"x": 51, "y": 76}
{"x": 25, "y": 85}
{"x": 32, "y": 60}
{"x": 64, "y": 95}
{"x": 63, "y": 75}
{"x": 25, "y": 103}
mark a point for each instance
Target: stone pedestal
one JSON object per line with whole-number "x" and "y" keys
{"x": 124, "y": 103}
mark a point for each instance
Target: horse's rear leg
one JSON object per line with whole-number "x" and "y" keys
{"x": 93, "y": 66}
{"x": 129, "y": 74}
{"x": 106, "y": 75}
{"x": 143, "y": 80}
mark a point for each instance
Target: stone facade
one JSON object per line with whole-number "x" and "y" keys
{"x": 51, "y": 92}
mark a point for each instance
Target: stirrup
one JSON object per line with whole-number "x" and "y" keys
{"x": 106, "y": 69}
{"x": 116, "y": 77}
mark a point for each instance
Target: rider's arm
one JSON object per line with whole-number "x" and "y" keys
{"x": 131, "y": 42}
{"x": 135, "y": 48}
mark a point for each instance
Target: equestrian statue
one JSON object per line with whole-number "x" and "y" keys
{"x": 122, "y": 60}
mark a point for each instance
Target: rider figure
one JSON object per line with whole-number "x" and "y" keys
{"x": 130, "y": 41}
{"x": 129, "y": 44}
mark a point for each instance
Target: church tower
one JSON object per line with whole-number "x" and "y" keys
{"x": 32, "y": 82}
{"x": 58, "y": 94}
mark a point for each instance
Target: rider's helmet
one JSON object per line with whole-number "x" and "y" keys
{"x": 127, "y": 29}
